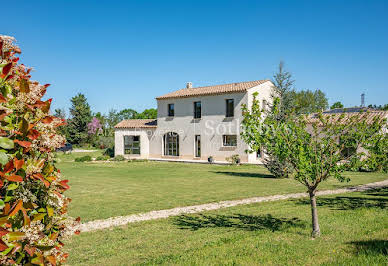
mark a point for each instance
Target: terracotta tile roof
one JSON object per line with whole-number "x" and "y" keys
{"x": 336, "y": 117}
{"x": 212, "y": 90}
{"x": 137, "y": 123}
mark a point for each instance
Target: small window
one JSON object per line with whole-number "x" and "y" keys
{"x": 229, "y": 107}
{"x": 259, "y": 153}
{"x": 230, "y": 140}
{"x": 171, "y": 111}
{"x": 197, "y": 109}
{"x": 131, "y": 144}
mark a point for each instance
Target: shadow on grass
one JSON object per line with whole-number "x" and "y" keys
{"x": 239, "y": 221}
{"x": 372, "y": 199}
{"x": 372, "y": 247}
{"x": 242, "y": 174}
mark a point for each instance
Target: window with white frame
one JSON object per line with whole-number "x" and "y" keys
{"x": 171, "y": 144}
{"x": 229, "y": 140}
{"x": 131, "y": 144}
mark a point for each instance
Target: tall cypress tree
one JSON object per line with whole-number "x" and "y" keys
{"x": 80, "y": 116}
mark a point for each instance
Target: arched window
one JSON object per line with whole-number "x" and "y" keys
{"x": 171, "y": 144}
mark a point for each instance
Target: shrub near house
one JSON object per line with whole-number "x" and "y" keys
{"x": 33, "y": 218}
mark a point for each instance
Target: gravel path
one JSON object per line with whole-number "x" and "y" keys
{"x": 152, "y": 215}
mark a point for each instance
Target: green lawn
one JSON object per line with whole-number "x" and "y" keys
{"x": 354, "y": 232}
{"x": 103, "y": 190}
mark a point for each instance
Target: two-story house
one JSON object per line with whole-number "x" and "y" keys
{"x": 193, "y": 124}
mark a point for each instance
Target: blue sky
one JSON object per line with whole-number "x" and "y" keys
{"x": 122, "y": 54}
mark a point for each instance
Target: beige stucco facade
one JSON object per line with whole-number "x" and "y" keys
{"x": 211, "y": 127}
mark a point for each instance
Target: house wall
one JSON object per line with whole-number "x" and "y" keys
{"x": 211, "y": 126}
{"x": 145, "y": 136}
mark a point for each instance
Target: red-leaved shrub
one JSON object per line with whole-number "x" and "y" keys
{"x": 33, "y": 208}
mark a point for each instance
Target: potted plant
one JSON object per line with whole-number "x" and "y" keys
{"x": 210, "y": 159}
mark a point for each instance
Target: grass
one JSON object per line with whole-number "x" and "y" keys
{"x": 103, "y": 190}
{"x": 354, "y": 232}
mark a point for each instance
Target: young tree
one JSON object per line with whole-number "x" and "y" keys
{"x": 314, "y": 146}
{"x": 80, "y": 116}
{"x": 337, "y": 105}
{"x": 33, "y": 207}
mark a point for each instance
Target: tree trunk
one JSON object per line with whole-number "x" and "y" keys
{"x": 314, "y": 215}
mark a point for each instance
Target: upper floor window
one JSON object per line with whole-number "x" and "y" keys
{"x": 197, "y": 109}
{"x": 229, "y": 108}
{"x": 230, "y": 140}
{"x": 171, "y": 111}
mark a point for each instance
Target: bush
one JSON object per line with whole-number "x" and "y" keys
{"x": 110, "y": 152}
{"x": 102, "y": 158}
{"x": 104, "y": 142}
{"x": 86, "y": 158}
{"x": 377, "y": 158}
{"x": 276, "y": 167}
{"x": 234, "y": 159}
{"x": 118, "y": 158}
{"x": 34, "y": 218}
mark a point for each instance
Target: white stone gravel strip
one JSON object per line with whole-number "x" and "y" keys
{"x": 152, "y": 215}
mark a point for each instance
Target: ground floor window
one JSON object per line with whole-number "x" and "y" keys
{"x": 259, "y": 153}
{"x": 171, "y": 144}
{"x": 131, "y": 144}
{"x": 230, "y": 140}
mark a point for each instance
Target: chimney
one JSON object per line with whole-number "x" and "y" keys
{"x": 189, "y": 85}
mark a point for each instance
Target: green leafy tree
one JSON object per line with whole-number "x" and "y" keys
{"x": 308, "y": 101}
{"x": 337, "y": 105}
{"x": 147, "y": 114}
{"x": 314, "y": 146}
{"x": 80, "y": 116}
{"x": 126, "y": 114}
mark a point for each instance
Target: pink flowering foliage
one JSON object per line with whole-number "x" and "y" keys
{"x": 94, "y": 126}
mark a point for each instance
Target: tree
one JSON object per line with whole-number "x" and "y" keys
{"x": 283, "y": 83}
{"x": 151, "y": 113}
{"x": 308, "y": 102}
{"x": 33, "y": 205}
{"x": 126, "y": 114}
{"x": 337, "y": 105}
{"x": 283, "y": 90}
{"x": 60, "y": 113}
{"x": 80, "y": 116}
{"x": 313, "y": 145}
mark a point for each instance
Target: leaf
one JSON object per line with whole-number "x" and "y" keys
{"x": 50, "y": 211}
{"x": 18, "y": 163}
{"x": 23, "y": 126}
{"x": 30, "y": 250}
{"x": 6, "y": 143}
{"x": 2, "y": 204}
{"x": 3, "y": 232}
{"x": 17, "y": 208}
{"x": 2, "y": 99}
{"x": 24, "y": 86}
{"x": 38, "y": 217}
{"x": 52, "y": 260}
{"x": 14, "y": 236}
{"x": 25, "y": 144}
{"x": 12, "y": 186}
{"x": 47, "y": 119}
{"x": 3, "y": 246}
{"x": 6, "y": 69}
{"x": 3, "y": 158}
{"x": 8, "y": 167}
{"x": 33, "y": 134}
{"x": 14, "y": 178}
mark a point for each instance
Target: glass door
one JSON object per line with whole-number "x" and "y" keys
{"x": 197, "y": 145}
